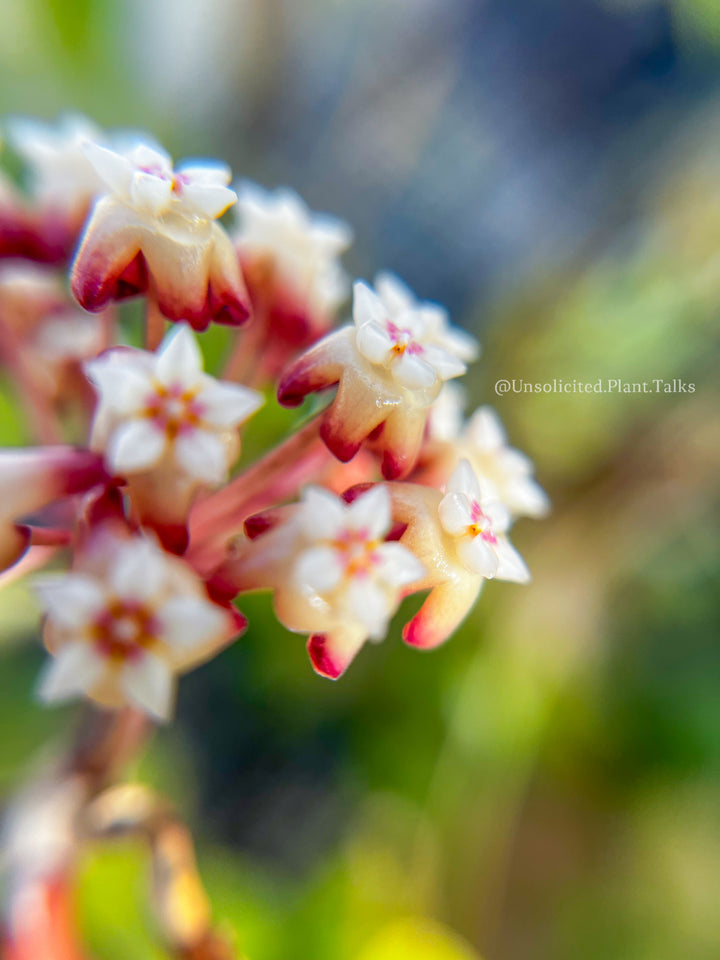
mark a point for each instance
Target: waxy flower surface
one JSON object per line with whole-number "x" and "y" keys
{"x": 461, "y": 540}
{"x": 164, "y": 424}
{"x": 30, "y": 479}
{"x": 290, "y": 261}
{"x": 333, "y": 574}
{"x": 505, "y": 474}
{"x": 389, "y": 365}
{"x": 154, "y": 231}
{"x": 124, "y": 622}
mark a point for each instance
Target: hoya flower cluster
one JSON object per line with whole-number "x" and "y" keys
{"x": 132, "y": 499}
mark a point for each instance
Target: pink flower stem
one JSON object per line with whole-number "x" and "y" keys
{"x": 154, "y": 322}
{"x": 275, "y": 477}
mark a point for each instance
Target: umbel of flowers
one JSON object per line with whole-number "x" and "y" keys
{"x": 131, "y": 500}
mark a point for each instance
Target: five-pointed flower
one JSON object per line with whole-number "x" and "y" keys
{"x": 334, "y": 575}
{"x": 460, "y": 538}
{"x": 479, "y": 526}
{"x": 161, "y": 406}
{"x": 389, "y": 365}
{"x": 505, "y": 474}
{"x": 290, "y": 261}
{"x": 122, "y": 624}
{"x": 154, "y": 229}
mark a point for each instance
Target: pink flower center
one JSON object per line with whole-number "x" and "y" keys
{"x": 402, "y": 339}
{"x": 174, "y": 409}
{"x": 359, "y": 553}
{"x": 124, "y": 630}
{"x": 481, "y": 525}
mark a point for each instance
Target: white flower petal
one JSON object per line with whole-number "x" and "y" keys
{"x": 397, "y": 565}
{"x": 444, "y": 363}
{"x": 367, "y": 306}
{"x": 318, "y": 570}
{"x": 211, "y": 173}
{"x": 460, "y": 343}
{"x": 446, "y": 413}
{"x": 151, "y": 159}
{"x": 373, "y": 342}
{"x": 139, "y": 571}
{"x": 498, "y": 515}
{"x": 114, "y": 169}
{"x": 478, "y": 556}
{"x": 322, "y": 514}
{"x": 528, "y": 498}
{"x": 150, "y": 193}
{"x": 134, "y": 446}
{"x": 395, "y": 295}
{"x": 412, "y": 372}
{"x": 202, "y": 455}
{"x": 148, "y": 683}
{"x": 367, "y": 603}
{"x": 74, "y": 670}
{"x": 485, "y": 429}
{"x": 190, "y": 622}
{"x": 71, "y": 600}
{"x": 124, "y": 385}
{"x": 371, "y": 512}
{"x": 227, "y": 404}
{"x": 511, "y": 565}
{"x": 179, "y": 359}
{"x": 464, "y": 480}
{"x": 455, "y": 513}
{"x": 209, "y": 199}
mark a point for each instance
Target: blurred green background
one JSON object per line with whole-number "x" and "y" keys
{"x": 547, "y": 785}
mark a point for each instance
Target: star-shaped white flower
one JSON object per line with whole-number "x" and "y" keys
{"x": 333, "y": 574}
{"x": 411, "y": 340}
{"x": 144, "y": 178}
{"x": 122, "y": 627}
{"x": 161, "y": 407}
{"x": 479, "y": 528}
{"x": 506, "y": 473}
{"x": 303, "y": 247}
{"x": 349, "y": 567}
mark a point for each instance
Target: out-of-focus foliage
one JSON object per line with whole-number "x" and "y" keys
{"x": 547, "y": 785}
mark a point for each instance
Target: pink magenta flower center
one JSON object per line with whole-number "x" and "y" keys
{"x": 174, "y": 409}
{"x": 402, "y": 340}
{"x": 480, "y": 526}
{"x": 359, "y": 553}
{"x": 124, "y": 630}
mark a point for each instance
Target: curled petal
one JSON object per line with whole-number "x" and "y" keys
{"x": 455, "y": 514}
{"x": 332, "y": 654}
{"x": 413, "y": 372}
{"x": 373, "y": 342}
{"x": 441, "y": 614}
